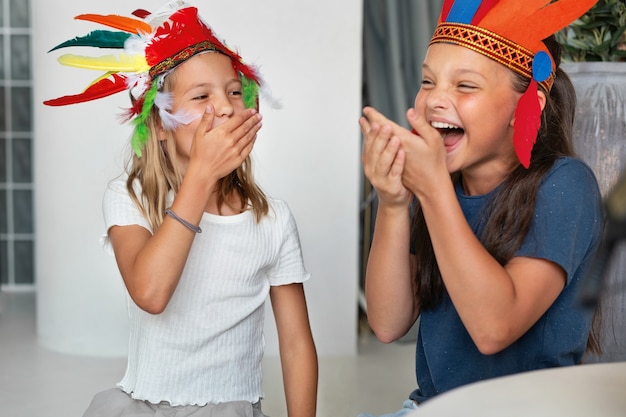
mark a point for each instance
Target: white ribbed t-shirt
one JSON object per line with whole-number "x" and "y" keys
{"x": 207, "y": 345}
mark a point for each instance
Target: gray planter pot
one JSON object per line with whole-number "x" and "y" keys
{"x": 600, "y": 140}
{"x": 600, "y": 125}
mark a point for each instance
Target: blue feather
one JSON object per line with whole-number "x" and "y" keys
{"x": 463, "y": 11}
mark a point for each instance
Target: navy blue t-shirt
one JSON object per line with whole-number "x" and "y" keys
{"x": 566, "y": 229}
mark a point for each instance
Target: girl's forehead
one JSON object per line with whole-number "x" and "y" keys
{"x": 207, "y": 65}
{"x": 458, "y": 59}
{"x": 210, "y": 60}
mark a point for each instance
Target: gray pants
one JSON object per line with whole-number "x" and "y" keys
{"x": 117, "y": 403}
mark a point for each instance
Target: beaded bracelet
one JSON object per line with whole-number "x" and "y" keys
{"x": 184, "y": 222}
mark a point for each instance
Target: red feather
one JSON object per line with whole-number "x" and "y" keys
{"x": 141, "y": 13}
{"x": 183, "y": 30}
{"x": 102, "y": 88}
{"x": 484, "y": 8}
{"x": 527, "y": 122}
{"x": 133, "y": 111}
{"x": 445, "y": 9}
{"x": 246, "y": 70}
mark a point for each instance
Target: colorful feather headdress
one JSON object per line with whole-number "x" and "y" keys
{"x": 152, "y": 45}
{"x": 511, "y": 32}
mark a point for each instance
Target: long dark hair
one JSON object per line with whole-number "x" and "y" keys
{"x": 509, "y": 213}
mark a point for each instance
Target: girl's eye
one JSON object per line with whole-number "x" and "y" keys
{"x": 467, "y": 87}
{"x": 426, "y": 83}
{"x": 201, "y": 97}
{"x": 236, "y": 93}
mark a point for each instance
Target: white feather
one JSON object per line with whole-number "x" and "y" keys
{"x": 164, "y": 12}
{"x": 171, "y": 121}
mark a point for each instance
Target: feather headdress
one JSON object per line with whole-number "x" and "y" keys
{"x": 151, "y": 45}
{"x": 511, "y": 32}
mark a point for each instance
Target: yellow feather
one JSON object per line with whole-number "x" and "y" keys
{"x": 109, "y": 63}
{"x": 102, "y": 77}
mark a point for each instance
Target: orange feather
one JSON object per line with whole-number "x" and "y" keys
{"x": 127, "y": 24}
{"x": 534, "y": 20}
{"x": 558, "y": 14}
{"x": 503, "y": 14}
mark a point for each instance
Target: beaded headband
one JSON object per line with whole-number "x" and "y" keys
{"x": 153, "y": 45}
{"x": 511, "y": 32}
{"x": 490, "y": 44}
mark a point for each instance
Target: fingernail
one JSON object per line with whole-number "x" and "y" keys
{"x": 209, "y": 109}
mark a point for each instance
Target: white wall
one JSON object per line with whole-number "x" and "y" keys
{"x": 307, "y": 154}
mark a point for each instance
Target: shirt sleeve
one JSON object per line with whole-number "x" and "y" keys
{"x": 289, "y": 268}
{"x": 119, "y": 210}
{"x": 568, "y": 221}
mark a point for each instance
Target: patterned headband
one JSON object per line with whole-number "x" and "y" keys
{"x": 511, "y": 32}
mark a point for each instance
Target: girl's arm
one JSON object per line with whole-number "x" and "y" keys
{"x": 496, "y": 304}
{"x": 391, "y": 304}
{"x": 392, "y": 307}
{"x": 151, "y": 265}
{"x": 297, "y": 350}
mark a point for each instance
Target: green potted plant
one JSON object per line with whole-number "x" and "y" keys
{"x": 594, "y": 57}
{"x": 599, "y": 35}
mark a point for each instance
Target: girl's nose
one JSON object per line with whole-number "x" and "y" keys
{"x": 437, "y": 98}
{"x": 223, "y": 106}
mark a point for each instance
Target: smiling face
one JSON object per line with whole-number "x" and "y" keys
{"x": 207, "y": 78}
{"x": 470, "y": 99}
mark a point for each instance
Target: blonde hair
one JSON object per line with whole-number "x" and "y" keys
{"x": 158, "y": 173}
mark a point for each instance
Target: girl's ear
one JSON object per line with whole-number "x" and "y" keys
{"x": 542, "y": 99}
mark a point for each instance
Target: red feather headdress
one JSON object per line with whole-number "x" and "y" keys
{"x": 511, "y": 32}
{"x": 152, "y": 44}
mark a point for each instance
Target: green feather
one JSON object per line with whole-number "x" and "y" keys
{"x": 250, "y": 91}
{"x": 140, "y": 136}
{"x": 141, "y": 132}
{"x": 97, "y": 38}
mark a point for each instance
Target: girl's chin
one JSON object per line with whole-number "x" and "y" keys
{"x": 454, "y": 160}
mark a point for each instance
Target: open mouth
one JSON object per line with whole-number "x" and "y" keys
{"x": 450, "y": 133}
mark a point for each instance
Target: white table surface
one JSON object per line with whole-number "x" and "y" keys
{"x": 590, "y": 390}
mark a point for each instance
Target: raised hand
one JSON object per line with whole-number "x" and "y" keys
{"x": 382, "y": 157}
{"x": 425, "y": 154}
{"x": 223, "y": 148}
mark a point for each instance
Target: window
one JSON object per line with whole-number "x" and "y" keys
{"x": 16, "y": 171}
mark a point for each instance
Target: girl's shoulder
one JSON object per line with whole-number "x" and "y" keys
{"x": 571, "y": 164}
{"x": 571, "y": 170}
{"x": 575, "y": 184}
{"x": 280, "y": 213}
{"x": 117, "y": 184}
{"x": 277, "y": 203}
{"x": 116, "y": 189}
{"x": 278, "y": 208}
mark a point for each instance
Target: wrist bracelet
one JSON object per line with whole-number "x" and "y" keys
{"x": 184, "y": 222}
